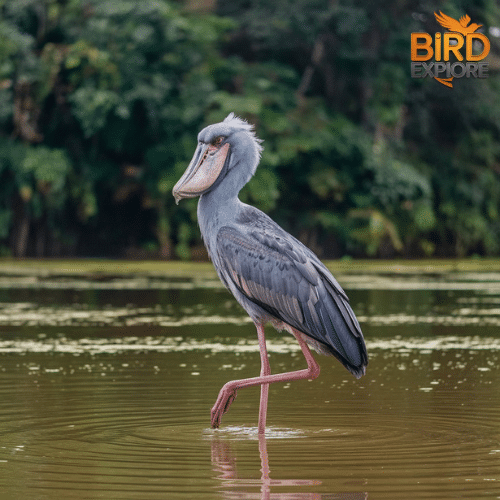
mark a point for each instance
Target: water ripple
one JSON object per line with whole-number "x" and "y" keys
{"x": 488, "y": 282}
{"x": 276, "y": 345}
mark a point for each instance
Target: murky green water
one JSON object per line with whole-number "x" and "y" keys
{"x": 106, "y": 386}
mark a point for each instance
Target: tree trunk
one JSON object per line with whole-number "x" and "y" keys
{"x": 21, "y": 241}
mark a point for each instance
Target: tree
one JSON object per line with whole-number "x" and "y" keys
{"x": 101, "y": 102}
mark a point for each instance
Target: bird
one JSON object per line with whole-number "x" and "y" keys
{"x": 459, "y": 26}
{"x": 273, "y": 276}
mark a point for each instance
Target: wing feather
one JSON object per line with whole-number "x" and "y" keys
{"x": 448, "y": 22}
{"x": 284, "y": 278}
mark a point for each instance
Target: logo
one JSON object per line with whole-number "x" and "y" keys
{"x": 461, "y": 43}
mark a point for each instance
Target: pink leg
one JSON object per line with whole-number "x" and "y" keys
{"x": 265, "y": 370}
{"x": 228, "y": 391}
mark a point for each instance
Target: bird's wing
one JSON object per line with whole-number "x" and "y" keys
{"x": 464, "y": 21}
{"x": 282, "y": 276}
{"x": 448, "y": 22}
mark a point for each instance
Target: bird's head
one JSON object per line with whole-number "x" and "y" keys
{"x": 226, "y": 147}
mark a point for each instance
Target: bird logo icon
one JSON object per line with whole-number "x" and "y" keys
{"x": 456, "y": 53}
{"x": 459, "y": 26}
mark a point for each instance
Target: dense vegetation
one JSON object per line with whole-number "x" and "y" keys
{"x": 101, "y": 102}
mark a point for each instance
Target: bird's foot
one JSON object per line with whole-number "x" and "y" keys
{"x": 226, "y": 396}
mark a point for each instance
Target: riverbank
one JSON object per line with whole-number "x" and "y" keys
{"x": 96, "y": 267}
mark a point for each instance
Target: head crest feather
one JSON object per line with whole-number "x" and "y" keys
{"x": 236, "y": 122}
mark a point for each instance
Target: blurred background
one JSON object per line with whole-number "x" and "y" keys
{"x": 101, "y": 103}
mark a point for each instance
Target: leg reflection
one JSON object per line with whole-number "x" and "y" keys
{"x": 235, "y": 487}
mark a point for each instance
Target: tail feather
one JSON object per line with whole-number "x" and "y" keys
{"x": 343, "y": 333}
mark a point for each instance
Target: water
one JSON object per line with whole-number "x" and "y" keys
{"x": 106, "y": 386}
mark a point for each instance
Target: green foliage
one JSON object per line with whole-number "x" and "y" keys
{"x": 5, "y": 220}
{"x": 37, "y": 171}
{"x": 47, "y": 166}
{"x": 379, "y": 228}
{"x": 91, "y": 108}
{"x": 101, "y": 103}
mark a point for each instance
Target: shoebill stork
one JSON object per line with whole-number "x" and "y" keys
{"x": 271, "y": 274}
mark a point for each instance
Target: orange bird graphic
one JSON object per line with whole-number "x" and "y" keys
{"x": 459, "y": 26}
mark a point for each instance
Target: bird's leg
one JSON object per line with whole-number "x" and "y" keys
{"x": 312, "y": 365}
{"x": 265, "y": 369}
{"x": 228, "y": 395}
{"x": 228, "y": 391}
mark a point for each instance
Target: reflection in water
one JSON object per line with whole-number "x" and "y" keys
{"x": 106, "y": 390}
{"x": 234, "y": 487}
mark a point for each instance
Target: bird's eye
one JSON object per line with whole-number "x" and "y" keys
{"x": 218, "y": 140}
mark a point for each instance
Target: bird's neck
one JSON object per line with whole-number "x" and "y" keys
{"x": 215, "y": 210}
{"x": 224, "y": 195}
{"x": 220, "y": 206}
